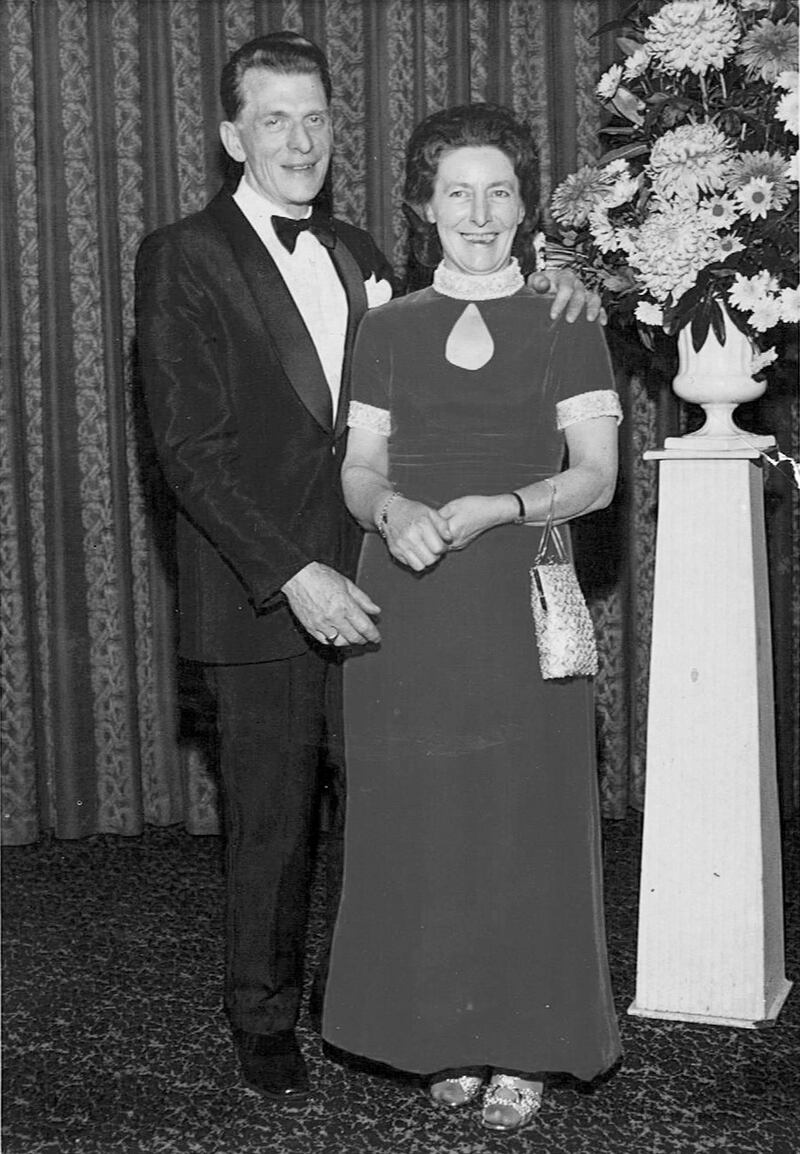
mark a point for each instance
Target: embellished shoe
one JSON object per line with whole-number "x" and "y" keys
{"x": 453, "y": 1092}
{"x": 510, "y": 1104}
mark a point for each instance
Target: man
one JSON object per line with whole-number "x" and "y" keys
{"x": 245, "y": 338}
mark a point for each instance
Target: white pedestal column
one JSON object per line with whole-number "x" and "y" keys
{"x": 711, "y": 916}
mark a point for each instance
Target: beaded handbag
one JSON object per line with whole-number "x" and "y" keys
{"x": 564, "y": 630}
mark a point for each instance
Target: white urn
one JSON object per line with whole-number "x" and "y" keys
{"x": 718, "y": 377}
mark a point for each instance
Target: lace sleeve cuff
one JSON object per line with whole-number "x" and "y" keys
{"x": 598, "y": 403}
{"x": 361, "y": 416}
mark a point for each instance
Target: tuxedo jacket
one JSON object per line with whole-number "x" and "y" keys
{"x": 241, "y": 414}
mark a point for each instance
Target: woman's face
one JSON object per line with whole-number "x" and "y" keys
{"x": 476, "y": 207}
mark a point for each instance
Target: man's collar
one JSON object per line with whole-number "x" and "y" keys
{"x": 251, "y": 201}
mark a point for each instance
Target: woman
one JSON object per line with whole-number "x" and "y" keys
{"x": 470, "y": 941}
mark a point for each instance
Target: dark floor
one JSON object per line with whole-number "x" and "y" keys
{"x": 114, "y": 1040}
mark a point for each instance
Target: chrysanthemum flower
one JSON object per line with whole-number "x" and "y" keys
{"x": 768, "y": 49}
{"x": 690, "y": 159}
{"x": 790, "y": 305}
{"x": 770, "y": 165}
{"x": 580, "y": 194}
{"x": 789, "y": 80}
{"x": 755, "y": 197}
{"x": 670, "y": 249}
{"x": 761, "y": 360}
{"x": 748, "y": 292}
{"x": 637, "y": 63}
{"x": 787, "y": 111}
{"x": 609, "y": 82}
{"x": 766, "y": 314}
{"x": 649, "y": 314}
{"x": 602, "y": 230}
{"x": 693, "y": 34}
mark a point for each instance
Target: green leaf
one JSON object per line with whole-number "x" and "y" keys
{"x": 623, "y": 152}
{"x": 700, "y": 326}
{"x": 717, "y": 320}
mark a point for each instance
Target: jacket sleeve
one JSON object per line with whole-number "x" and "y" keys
{"x": 194, "y": 421}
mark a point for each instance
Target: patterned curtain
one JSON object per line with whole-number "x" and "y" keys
{"x": 109, "y": 129}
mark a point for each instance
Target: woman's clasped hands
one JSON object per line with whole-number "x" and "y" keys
{"x": 418, "y": 535}
{"x": 415, "y": 534}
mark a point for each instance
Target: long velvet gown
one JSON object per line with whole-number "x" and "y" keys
{"x": 471, "y": 928}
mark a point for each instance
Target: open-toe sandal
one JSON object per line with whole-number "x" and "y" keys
{"x": 454, "y": 1092}
{"x": 510, "y": 1104}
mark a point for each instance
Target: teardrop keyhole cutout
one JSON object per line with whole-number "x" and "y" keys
{"x": 470, "y": 344}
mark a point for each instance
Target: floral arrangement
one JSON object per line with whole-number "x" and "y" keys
{"x": 695, "y": 206}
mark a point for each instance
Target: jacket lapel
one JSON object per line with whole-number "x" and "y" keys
{"x": 276, "y": 306}
{"x": 353, "y": 280}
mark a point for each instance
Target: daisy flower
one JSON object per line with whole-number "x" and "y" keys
{"x": 690, "y": 159}
{"x": 790, "y": 305}
{"x": 609, "y": 82}
{"x": 720, "y": 211}
{"x": 761, "y": 360}
{"x": 729, "y": 244}
{"x": 768, "y": 49}
{"x": 649, "y": 314}
{"x": 755, "y": 197}
{"x": 770, "y": 165}
{"x": 693, "y": 34}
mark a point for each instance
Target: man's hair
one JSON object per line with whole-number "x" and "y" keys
{"x": 286, "y": 52}
{"x": 469, "y": 126}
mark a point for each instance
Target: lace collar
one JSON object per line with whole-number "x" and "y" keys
{"x": 466, "y": 287}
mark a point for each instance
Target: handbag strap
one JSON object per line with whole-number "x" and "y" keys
{"x": 550, "y": 532}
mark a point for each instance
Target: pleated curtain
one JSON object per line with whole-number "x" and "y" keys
{"x": 109, "y": 129}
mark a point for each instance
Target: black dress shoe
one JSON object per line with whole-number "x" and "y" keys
{"x": 273, "y": 1065}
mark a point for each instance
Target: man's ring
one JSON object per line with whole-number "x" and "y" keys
{"x": 332, "y": 637}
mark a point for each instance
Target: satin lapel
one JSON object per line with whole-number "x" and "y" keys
{"x": 353, "y": 280}
{"x": 275, "y": 303}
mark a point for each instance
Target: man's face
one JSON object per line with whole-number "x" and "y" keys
{"x": 283, "y": 136}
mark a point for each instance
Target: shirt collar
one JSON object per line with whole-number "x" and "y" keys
{"x": 255, "y": 204}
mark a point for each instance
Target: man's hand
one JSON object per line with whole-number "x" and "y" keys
{"x": 416, "y": 535}
{"x": 330, "y": 607}
{"x": 570, "y": 294}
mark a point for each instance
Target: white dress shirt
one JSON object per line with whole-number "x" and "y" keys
{"x": 310, "y": 277}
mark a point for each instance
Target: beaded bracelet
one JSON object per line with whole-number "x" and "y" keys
{"x": 382, "y": 519}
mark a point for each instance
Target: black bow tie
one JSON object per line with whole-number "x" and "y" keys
{"x": 287, "y": 230}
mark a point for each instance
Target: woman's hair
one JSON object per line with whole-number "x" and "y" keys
{"x": 469, "y": 126}
{"x": 286, "y": 52}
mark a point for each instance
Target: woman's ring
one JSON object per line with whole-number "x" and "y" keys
{"x": 332, "y": 637}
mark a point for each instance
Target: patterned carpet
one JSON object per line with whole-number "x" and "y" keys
{"x": 114, "y": 1040}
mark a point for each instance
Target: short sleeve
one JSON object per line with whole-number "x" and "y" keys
{"x": 580, "y": 377}
{"x": 370, "y": 374}
{"x": 597, "y": 403}
{"x": 361, "y": 416}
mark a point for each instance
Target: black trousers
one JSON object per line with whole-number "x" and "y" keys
{"x": 279, "y": 742}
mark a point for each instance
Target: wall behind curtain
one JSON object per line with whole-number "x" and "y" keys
{"x": 109, "y": 129}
